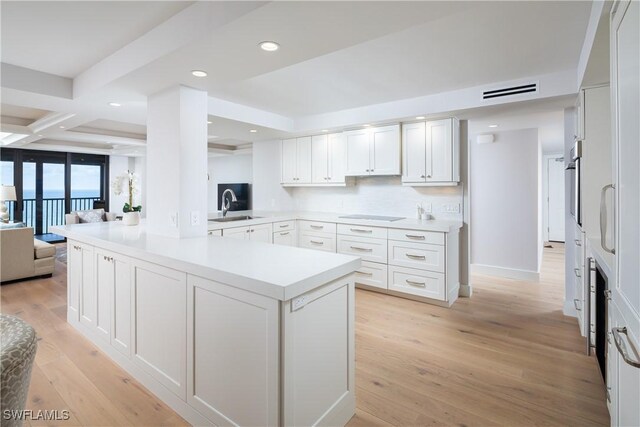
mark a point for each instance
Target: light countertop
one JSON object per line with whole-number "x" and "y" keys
{"x": 263, "y": 217}
{"x": 275, "y": 271}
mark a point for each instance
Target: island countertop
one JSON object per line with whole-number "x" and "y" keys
{"x": 275, "y": 271}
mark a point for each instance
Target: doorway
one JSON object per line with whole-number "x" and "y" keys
{"x": 554, "y": 177}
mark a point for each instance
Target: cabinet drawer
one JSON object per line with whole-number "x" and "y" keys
{"x": 317, "y": 226}
{"x": 431, "y": 237}
{"x": 417, "y": 282}
{"x": 285, "y": 238}
{"x": 368, "y": 249}
{"x": 284, "y": 226}
{"x": 214, "y": 233}
{"x": 417, "y": 255}
{"x": 362, "y": 231}
{"x": 372, "y": 274}
{"x": 318, "y": 241}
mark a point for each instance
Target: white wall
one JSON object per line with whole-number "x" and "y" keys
{"x": 505, "y": 204}
{"x": 268, "y": 194}
{"x": 228, "y": 170}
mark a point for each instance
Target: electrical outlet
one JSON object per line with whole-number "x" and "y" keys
{"x": 451, "y": 208}
{"x": 173, "y": 219}
{"x": 298, "y": 303}
{"x": 195, "y": 218}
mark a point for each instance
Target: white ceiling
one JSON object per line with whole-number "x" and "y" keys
{"x": 67, "y": 37}
{"x": 334, "y": 57}
{"x": 21, "y": 112}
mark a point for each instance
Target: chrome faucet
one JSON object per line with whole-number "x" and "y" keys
{"x": 226, "y": 204}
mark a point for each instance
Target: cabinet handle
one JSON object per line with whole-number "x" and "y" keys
{"x": 603, "y": 218}
{"x": 284, "y": 226}
{"x": 247, "y": 231}
{"x": 318, "y": 227}
{"x": 414, "y": 236}
{"x": 607, "y": 294}
{"x": 364, "y": 273}
{"x": 622, "y": 347}
{"x": 315, "y": 242}
{"x": 422, "y": 176}
{"x": 252, "y": 230}
{"x": 284, "y": 233}
{"x": 578, "y": 242}
{"x": 414, "y": 283}
{"x": 575, "y": 304}
{"x": 328, "y": 178}
{"x": 415, "y": 256}
{"x": 358, "y": 248}
{"x": 576, "y": 271}
{"x": 428, "y": 176}
{"x": 361, "y": 230}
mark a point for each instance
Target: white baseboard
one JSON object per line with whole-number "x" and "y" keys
{"x": 509, "y": 273}
{"x": 568, "y": 309}
{"x": 465, "y": 290}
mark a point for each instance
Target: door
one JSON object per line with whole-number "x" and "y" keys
{"x": 105, "y": 278}
{"x": 74, "y": 280}
{"x": 414, "y": 149}
{"x": 439, "y": 151}
{"x": 289, "y": 161}
{"x": 357, "y": 152}
{"x": 336, "y": 158}
{"x": 555, "y": 199}
{"x": 303, "y": 155}
{"x": 121, "y": 310}
{"x": 625, "y": 38}
{"x": 320, "y": 159}
{"x": 384, "y": 151}
{"x": 261, "y": 233}
{"x": 88, "y": 290}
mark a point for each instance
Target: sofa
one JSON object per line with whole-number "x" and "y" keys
{"x": 88, "y": 216}
{"x": 23, "y": 256}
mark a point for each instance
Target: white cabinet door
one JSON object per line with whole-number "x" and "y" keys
{"x": 414, "y": 152}
{"x": 74, "y": 280}
{"x": 320, "y": 159}
{"x": 289, "y": 161}
{"x": 261, "y": 233}
{"x": 625, "y": 34}
{"x": 439, "y": 151}
{"x": 384, "y": 151}
{"x": 357, "y": 152}
{"x": 241, "y": 233}
{"x": 88, "y": 290}
{"x": 121, "y": 310}
{"x": 303, "y": 155}
{"x": 105, "y": 279}
{"x": 284, "y": 238}
{"x": 336, "y": 158}
{"x": 160, "y": 318}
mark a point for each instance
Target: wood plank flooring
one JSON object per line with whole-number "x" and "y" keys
{"x": 506, "y": 356}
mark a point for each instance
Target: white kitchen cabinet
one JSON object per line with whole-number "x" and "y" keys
{"x": 372, "y": 274}
{"x": 431, "y": 152}
{"x": 87, "y": 285}
{"x": 373, "y": 151}
{"x": 422, "y": 283}
{"x": 296, "y": 161}
{"x": 625, "y": 69}
{"x": 74, "y": 280}
{"x": 327, "y": 159}
{"x": 257, "y": 233}
{"x": 214, "y": 233}
{"x": 105, "y": 279}
{"x": 160, "y": 318}
{"x": 285, "y": 238}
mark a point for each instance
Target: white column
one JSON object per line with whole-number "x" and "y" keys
{"x": 176, "y": 169}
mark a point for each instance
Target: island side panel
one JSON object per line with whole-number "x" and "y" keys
{"x": 319, "y": 355}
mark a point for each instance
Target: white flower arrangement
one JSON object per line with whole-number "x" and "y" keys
{"x": 130, "y": 179}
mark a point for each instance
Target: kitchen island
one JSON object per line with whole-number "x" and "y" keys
{"x": 226, "y": 332}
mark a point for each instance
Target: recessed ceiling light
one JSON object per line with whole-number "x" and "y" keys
{"x": 367, "y": 125}
{"x": 325, "y": 130}
{"x": 420, "y": 118}
{"x": 269, "y": 46}
{"x": 493, "y": 126}
{"x": 199, "y": 73}
{"x": 253, "y": 131}
{"x": 114, "y": 104}
{"x": 61, "y": 127}
{"x": 209, "y": 122}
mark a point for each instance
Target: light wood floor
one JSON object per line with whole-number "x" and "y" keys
{"x": 506, "y": 356}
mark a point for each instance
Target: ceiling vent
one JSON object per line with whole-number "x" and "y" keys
{"x": 510, "y": 91}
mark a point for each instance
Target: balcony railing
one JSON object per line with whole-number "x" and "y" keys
{"x": 53, "y": 210}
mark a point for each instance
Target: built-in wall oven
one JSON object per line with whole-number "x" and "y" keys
{"x": 574, "y": 170}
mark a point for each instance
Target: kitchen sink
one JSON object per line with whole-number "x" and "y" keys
{"x": 234, "y": 218}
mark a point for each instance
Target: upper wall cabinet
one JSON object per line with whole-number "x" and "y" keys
{"x": 373, "y": 151}
{"x": 296, "y": 161}
{"x": 431, "y": 153}
{"x": 327, "y": 159}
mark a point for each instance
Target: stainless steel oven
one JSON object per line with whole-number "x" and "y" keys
{"x": 574, "y": 170}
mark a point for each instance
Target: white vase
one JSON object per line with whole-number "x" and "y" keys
{"x": 131, "y": 218}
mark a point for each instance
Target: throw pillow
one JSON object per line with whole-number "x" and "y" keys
{"x": 93, "y": 215}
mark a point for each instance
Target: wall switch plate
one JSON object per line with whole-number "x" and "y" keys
{"x": 195, "y": 218}
{"x": 173, "y": 219}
